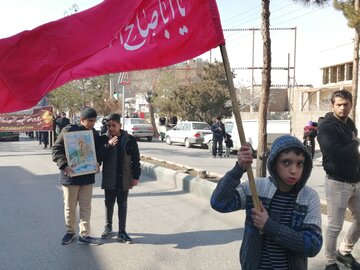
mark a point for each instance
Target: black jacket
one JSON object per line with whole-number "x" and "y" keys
{"x": 58, "y": 156}
{"x": 121, "y": 163}
{"x": 340, "y": 152}
{"x": 218, "y": 130}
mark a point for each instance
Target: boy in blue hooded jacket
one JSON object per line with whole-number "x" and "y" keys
{"x": 290, "y": 218}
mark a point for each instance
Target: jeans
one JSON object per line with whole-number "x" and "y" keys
{"x": 121, "y": 197}
{"x": 339, "y": 196}
{"x": 72, "y": 195}
{"x": 217, "y": 147}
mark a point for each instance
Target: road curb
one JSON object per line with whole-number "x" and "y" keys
{"x": 185, "y": 182}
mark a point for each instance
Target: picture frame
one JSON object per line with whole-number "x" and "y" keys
{"x": 80, "y": 152}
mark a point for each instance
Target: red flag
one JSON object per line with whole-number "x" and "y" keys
{"x": 114, "y": 36}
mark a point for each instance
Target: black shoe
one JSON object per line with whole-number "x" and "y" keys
{"x": 107, "y": 232}
{"x": 348, "y": 260}
{"x": 89, "y": 241}
{"x": 123, "y": 237}
{"x": 333, "y": 266}
{"x": 68, "y": 238}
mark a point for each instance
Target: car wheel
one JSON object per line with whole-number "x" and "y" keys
{"x": 210, "y": 146}
{"x": 187, "y": 143}
{"x": 168, "y": 140}
{"x": 149, "y": 139}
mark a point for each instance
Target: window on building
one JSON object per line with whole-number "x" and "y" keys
{"x": 349, "y": 70}
{"x": 340, "y": 73}
{"x": 325, "y": 75}
{"x": 333, "y": 74}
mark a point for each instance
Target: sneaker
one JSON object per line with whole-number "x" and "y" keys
{"x": 348, "y": 260}
{"x": 333, "y": 266}
{"x": 68, "y": 238}
{"x": 89, "y": 241}
{"x": 107, "y": 232}
{"x": 123, "y": 237}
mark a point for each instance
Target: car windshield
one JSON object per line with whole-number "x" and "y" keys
{"x": 201, "y": 126}
{"x": 138, "y": 121}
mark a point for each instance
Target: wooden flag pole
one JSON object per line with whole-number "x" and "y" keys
{"x": 240, "y": 128}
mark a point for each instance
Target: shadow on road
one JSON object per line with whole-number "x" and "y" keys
{"x": 187, "y": 240}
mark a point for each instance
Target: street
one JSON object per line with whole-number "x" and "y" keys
{"x": 171, "y": 229}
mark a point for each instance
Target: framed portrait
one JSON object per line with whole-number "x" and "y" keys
{"x": 80, "y": 152}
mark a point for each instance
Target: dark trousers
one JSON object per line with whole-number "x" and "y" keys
{"x": 121, "y": 198}
{"x": 217, "y": 147}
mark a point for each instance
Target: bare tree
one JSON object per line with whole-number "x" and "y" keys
{"x": 266, "y": 82}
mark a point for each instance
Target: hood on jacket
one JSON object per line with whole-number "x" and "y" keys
{"x": 287, "y": 142}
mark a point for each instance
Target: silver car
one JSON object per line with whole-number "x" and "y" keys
{"x": 188, "y": 133}
{"x": 139, "y": 128}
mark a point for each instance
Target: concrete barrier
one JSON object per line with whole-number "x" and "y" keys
{"x": 200, "y": 187}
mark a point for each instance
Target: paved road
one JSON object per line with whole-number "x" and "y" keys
{"x": 171, "y": 229}
{"x": 197, "y": 157}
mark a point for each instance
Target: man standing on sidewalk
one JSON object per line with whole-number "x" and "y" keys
{"x": 339, "y": 146}
{"x": 77, "y": 189}
{"x": 218, "y": 130}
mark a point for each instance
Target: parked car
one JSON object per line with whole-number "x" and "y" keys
{"x": 275, "y": 129}
{"x": 188, "y": 133}
{"x": 9, "y": 136}
{"x": 139, "y": 128}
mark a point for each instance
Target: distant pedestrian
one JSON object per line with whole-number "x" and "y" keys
{"x": 44, "y": 138}
{"x": 103, "y": 128}
{"x": 340, "y": 149}
{"x": 290, "y": 218}
{"x": 76, "y": 189}
{"x": 120, "y": 156}
{"x": 229, "y": 144}
{"x": 218, "y": 129}
{"x": 62, "y": 122}
{"x": 310, "y": 133}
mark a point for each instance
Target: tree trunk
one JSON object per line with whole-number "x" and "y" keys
{"x": 265, "y": 89}
{"x": 152, "y": 119}
{"x": 355, "y": 73}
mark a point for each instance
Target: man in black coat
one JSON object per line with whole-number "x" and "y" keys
{"x": 337, "y": 136}
{"x": 218, "y": 129}
{"x": 77, "y": 189}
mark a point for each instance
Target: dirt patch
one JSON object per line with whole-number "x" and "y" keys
{"x": 195, "y": 173}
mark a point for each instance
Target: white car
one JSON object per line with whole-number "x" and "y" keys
{"x": 188, "y": 133}
{"x": 139, "y": 128}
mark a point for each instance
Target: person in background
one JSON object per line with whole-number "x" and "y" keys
{"x": 289, "y": 218}
{"x": 337, "y": 137}
{"x": 44, "y": 138}
{"x": 310, "y": 133}
{"x": 218, "y": 129}
{"x": 121, "y": 170}
{"x": 77, "y": 190}
{"x": 103, "y": 128}
{"x": 62, "y": 122}
{"x": 229, "y": 144}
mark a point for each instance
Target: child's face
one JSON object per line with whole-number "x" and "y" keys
{"x": 113, "y": 127}
{"x": 289, "y": 168}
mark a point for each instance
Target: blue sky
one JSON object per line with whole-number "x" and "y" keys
{"x": 322, "y": 35}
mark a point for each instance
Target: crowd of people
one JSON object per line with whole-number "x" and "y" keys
{"x": 283, "y": 232}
